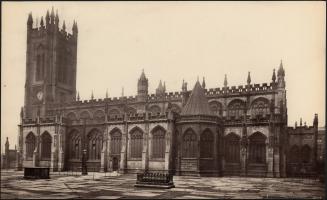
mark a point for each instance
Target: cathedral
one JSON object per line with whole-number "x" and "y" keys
{"x": 198, "y": 131}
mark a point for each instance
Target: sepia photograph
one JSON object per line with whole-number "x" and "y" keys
{"x": 163, "y": 100}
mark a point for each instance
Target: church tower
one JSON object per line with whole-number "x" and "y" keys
{"x": 50, "y": 65}
{"x": 142, "y": 88}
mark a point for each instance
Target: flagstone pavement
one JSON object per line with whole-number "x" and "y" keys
{"x": 70, "y": 185}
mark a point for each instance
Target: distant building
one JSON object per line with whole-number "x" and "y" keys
{"x": 305, "y": 148}
{"x": 321, "y": 143}
{"x": 8, "y": 159}
{"x": 216, "y": 131}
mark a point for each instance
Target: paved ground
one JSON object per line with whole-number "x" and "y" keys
{"x": 113, "y": 186}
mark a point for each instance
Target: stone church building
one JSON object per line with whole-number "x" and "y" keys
{"x": 196, "y": 131}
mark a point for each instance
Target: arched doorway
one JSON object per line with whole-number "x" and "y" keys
{"x": 115, "y": 163}
{"x": 115, "y": 148}
{"x": 232, "y": 165}
{"x": 257, "y": 163}
{"x": 94, "y": 147}
{"x": 206, "y": 152}
{"x": 257, "y": 151}
{"x": 46, "y": 141}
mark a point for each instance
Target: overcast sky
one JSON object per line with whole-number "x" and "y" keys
{"x": 173, "y": 41}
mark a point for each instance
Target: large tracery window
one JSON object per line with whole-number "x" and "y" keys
{"x": 232, "y": 148}
{"x": 30, "y": 145}
{"x": 46, "y": 146}
{"x": 216, "y": 108}
{"x": 113, "y": 113}
{"x": 294, "y": 154}
{"x": 206, "y": 144}
{"x": 99, "y": 116}
{"x": 257, "y": 151}
{"x": 136, "y": 143}
{"x": 236, "y": 108}
{"x": 64, "y": 65}
{"x": 75, "y": 143}
{"x": 155, "y": 109}
{"x": 158, "y": 143}
{"x": 306, "y": 154}
{"x": 94, "y": 145}
{"x": 85, "y": 116}
{"x": 260, "y": 107}
{"x": 190, "y": 144}
{"x": 130, "y": 110}
{"x": 115, "y": 142}
{"x": 39, "y": 67}
{"x": 176, "y": 109}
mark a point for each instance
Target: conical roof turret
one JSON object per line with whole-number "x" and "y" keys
{"x": 197, "y": 104}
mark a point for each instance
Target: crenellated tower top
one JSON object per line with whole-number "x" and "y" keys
{"x": 50, "y": 63}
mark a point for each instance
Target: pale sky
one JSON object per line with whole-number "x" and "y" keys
{"x": 173, "y": 41}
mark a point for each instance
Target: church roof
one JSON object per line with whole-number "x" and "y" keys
{"x": 197, "y": 104}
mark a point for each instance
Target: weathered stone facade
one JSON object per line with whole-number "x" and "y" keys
{"x": 220, "y": 131}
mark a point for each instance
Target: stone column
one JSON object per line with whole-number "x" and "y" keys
{"x": 54, "y": 154}
{"x": 276, "y": 162}
{"x": 104, "y": 161}
{"x": 145, "y": 154}
{"x": 244, "y": 151}
{"x": 216, "y": 153}
{"x": 36, "y": 158}
{"x": 61, "y": 157}
{"x": 123, "y": 154}
{"x": 283, "y": 160}
{"x": 169, "y": 137}
{"x": 179, "y": 152}
{"x": 109, "y": 161}
{"x": 270, "y": 162}
{"x": 61, "y": 154}
{"x": 198, "y": 135}
{"x": 19, "y": 155}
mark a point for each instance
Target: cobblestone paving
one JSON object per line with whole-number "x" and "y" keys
{"x": 114, "y": 186}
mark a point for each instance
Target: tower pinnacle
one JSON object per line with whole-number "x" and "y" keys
{"x": 274, "y": 76}
{"x": 64, "y": 26}
{"x": 30, "y": 21}
{"x": 203, "y": 83}
{"x": 249, "y": 79}
{"x": 225, "y": 81}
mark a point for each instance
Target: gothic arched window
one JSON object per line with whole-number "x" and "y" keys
{"x": 158, "y": 143}
{"x": 75, "y": 144}
{"x": 136, "y": 143}
{"x": 40, "y": 67}
{"x": 206, "y": 144}
{"x": 260, "y": 107}
{"x": 115, "y": 142}
{"x": 99, "y": 116}
{"x": 216, "y": 108}
{"x": 94, "y": 145}
{"x": 46, "y": 141}
{"x": 190, "y": 144}
{"x": 306, "y": 154}
{"x": 131, "y": 110}
{"x": 71, "y": 117}
{"x": 85, "y": 116}
{"x": 294, "y": 154}
{"x": 257, "y": 151}
{"x": 176, "y": 109}
{"x": 232, "y": 148}
{"x": 30, "y": 145}
{"x": 114, "y": 112}
{"x": 155, "y": 109}
{"x": 236, "y": 108}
